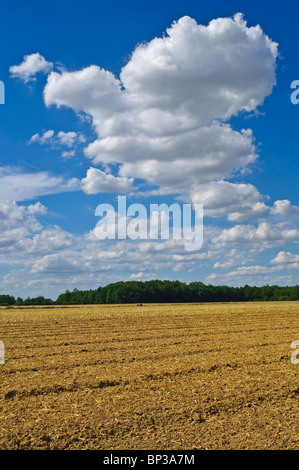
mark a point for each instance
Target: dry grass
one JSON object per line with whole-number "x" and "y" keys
{"x": 211, "y": 376}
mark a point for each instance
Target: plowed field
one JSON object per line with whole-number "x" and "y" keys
{"x": 199, "y": 376}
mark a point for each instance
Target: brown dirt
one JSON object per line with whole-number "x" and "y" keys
{"x": 211, "y": 376}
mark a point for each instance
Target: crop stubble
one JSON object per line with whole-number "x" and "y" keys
{"x": 172, "y": 376}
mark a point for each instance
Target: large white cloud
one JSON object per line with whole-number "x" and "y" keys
{"x": 164, "y": 119}
{"x": 206, "y": 72}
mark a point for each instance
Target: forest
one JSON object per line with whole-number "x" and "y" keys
{"x": 157, "y": 291}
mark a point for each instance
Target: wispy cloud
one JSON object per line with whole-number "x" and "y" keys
{"x": 18, "y": 185}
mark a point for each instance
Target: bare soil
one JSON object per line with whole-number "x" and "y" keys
{"x": 175, "y": 376}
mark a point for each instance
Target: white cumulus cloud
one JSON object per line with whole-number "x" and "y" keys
{"x": 283, "y": 207}
{"x": 31, "y": 65}
{"x": 287, "y": 259}
{"x": 264, "y": 236}
{"x": 97, "y": 181}
{"x": 165, "y": 119}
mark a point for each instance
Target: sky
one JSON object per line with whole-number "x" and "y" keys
{"x": 184, "y": 102}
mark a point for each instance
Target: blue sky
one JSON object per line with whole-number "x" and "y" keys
{"x": 163, "y": 102}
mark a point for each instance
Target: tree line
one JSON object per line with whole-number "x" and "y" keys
{"x": 157, "y": 291}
